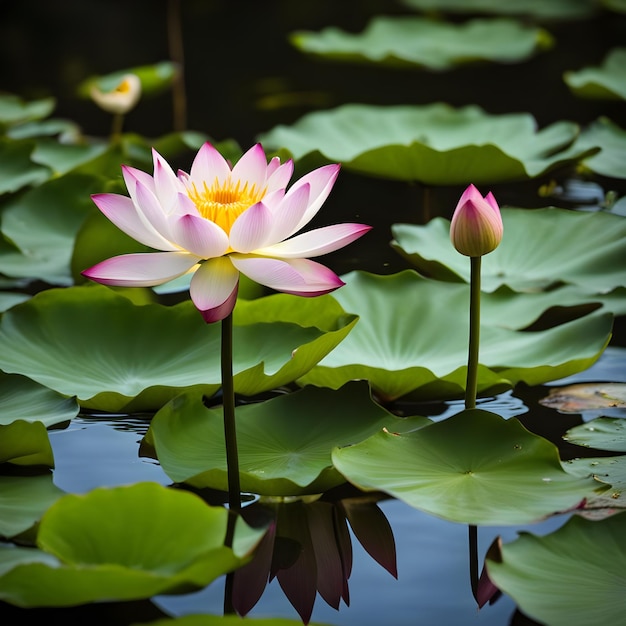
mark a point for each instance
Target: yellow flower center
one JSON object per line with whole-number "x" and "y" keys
{"x": 224, "y": 203}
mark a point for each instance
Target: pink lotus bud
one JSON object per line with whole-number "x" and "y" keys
{"x": 476, "y": 227}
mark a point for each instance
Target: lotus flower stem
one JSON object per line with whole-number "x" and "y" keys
{"x": 470, "y": 394}
{"x": 474, "y": 334}
{"x": 230, "y": 432}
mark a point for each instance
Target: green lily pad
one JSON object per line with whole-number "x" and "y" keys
{"x": 284, "y": 443}
{"x": 591, "y": 251}
{"x": 43, "y": 223}
{"x": 561, "y": 9}
{"x": 17, "y": 170}
{"x": 428, "y": 43}
{"x": 565, "y": 578}
{"x": 138, "y": 357}
{"x": 604, "y": 82}
{"x": 422, "y": 353}
{"x": 23, "y": 399}
{"x": 25, "y": 443}
{"x": 473, "y": 468}
{"x": 9, "y": 299}
{"x": 15, "y": 110}
{"x": 62, "y": 158}
{"x": 434, "y": 144}
{"x": 95, "y": 547}
{"x": 23, "y": 500}
{"x": 610, "y": 160}
{"x": 610, "y": 470}
{"x": 602, "y": 433}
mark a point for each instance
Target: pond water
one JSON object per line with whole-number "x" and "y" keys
{"x": 433, "y": 585}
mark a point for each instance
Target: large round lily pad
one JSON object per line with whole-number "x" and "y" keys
{"x": 412, "y": 334}
{"x": 474, "y": 468}
{"x": 113, "y": 355}
{"x": 434, "y": 144}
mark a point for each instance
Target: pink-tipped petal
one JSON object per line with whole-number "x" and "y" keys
{"x": 201, "y": 237}
{"x": 141, "y": 269}
{"x": 251, "y": 229}
{"x": 316, "y": 242}
{"x": 296, "y": 276}
{"x": 491, "y": 201}
{"x": 166, "y": 184}
{"x": 213, "y": 288}
{"x": 289, "y": 211}
{"x": 120, "y": 210}
{"x": 278, "y": 176}
{"x": 132, "y": 176}
{"x": 208, "y": 166}
{"x": 251, "y": 169}
{"x": 321, "y": 181}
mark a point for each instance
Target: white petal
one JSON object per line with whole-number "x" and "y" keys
{"x": 251, "y": 229}
{"x": 213, "y": 285}
{"x": 289, "y": 211}
{"x": 296, "y": 276}
{"x": 251, "y": 168}
{"x": 166, "y": 184}
{"x": 316, "y": 242}
{"x": 278, "y": 176}
{"x": 199, "y": 236}
{"x": 321, "y": 181}
{"x": 141, "y": 269}
{"x": 208, "y": 165}
{"x": 121, "y": 211}
{"x": 151, "y": 211}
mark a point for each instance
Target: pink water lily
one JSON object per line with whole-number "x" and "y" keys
{"x": 217, "y": 221}
{"x": 476, "y": 227}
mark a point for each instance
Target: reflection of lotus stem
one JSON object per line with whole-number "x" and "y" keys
{"x": 470, "y": 394}
{"x": 230, "y": 433}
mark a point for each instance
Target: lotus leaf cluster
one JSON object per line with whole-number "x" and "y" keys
{"x": 347, "y": 398}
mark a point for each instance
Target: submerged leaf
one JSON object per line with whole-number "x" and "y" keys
{"x": 585, "y": 396}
